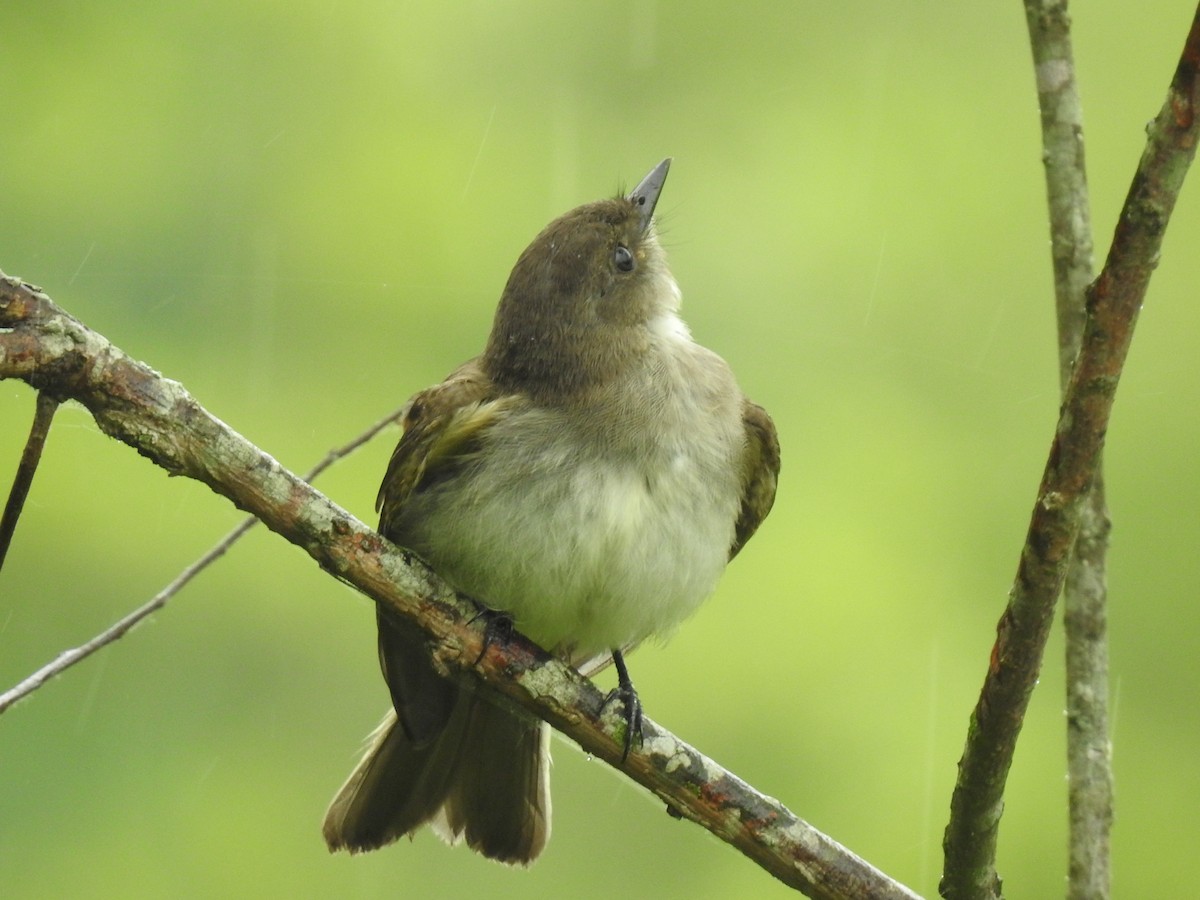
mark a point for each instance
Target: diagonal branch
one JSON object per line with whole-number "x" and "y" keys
{"x": 46, "y": 347}
{"x": 1113, "y": 302}
{"x": 130, "y": 620}
{"x": 1085, "y": 595}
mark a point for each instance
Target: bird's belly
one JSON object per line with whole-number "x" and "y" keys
{"x": 587, "y": 554}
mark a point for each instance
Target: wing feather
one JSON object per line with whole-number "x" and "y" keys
{"x": 441, "y": 427}
{"x": 760, "y": 473}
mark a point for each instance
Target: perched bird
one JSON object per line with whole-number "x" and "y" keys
{"x": 589, "y": 475}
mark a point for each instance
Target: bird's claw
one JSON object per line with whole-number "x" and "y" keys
{"x": 624, "y": 691}
{"x": 497, "y": 626}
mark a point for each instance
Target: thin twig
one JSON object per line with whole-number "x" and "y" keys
{"x": 1089, "y": 750}
{"x": 164, "y": 423}
{"x": 340, "y": 453}
{"x": 122, "y": 626}
{"x": 1066, "y": 174}
{"x": 1089, "y": 754}
{"x": 1113, "y": 303}
{"x": 42, "y": 417}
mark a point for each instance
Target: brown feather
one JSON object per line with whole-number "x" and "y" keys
{"x": 761, "y": 463}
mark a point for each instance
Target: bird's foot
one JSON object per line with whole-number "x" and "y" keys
{"x": 624, "y": 692}
{"x": 497, "y": 626}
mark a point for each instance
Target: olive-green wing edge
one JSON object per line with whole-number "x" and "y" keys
{"x": 439, "y": 423}
{"x": 761, "y": 473}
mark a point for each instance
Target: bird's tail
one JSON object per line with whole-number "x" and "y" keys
{"x": 484, "y": 777}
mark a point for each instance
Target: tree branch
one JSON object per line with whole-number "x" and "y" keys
{"x": 1089, "y": 752}
{"x": 126, "y": 623}
{"x": 1113, "y": 302}
{"x": 26, "y": 468}
{"x": 55, "y": 353}
{"x": 1066, "y": 175}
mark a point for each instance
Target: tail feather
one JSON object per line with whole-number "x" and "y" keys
{"x": 485, "y": 778}
{"x": 396, "y": 788}
{"x": 499, "y": 799}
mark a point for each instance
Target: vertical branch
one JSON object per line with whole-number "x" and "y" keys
{"x": 42, "y": 417}
{"x": 1112, "y": 303}
{"x": 1066, "y": 177}
{"x": 1089, "y": 754}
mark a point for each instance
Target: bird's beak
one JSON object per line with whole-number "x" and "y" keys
{"x": 645, "y": 195}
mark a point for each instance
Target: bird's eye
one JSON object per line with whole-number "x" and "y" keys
{"x": 623, "y": 258}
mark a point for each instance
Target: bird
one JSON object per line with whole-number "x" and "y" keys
{"x": 588, "y": 477}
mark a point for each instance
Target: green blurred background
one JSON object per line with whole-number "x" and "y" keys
{"x": 306, "y": 211}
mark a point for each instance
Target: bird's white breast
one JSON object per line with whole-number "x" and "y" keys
{"x": 598, "y": 531}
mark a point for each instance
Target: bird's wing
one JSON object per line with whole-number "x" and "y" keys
{"x": 442, "y": 425}
{"x": 760, "y": 473}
